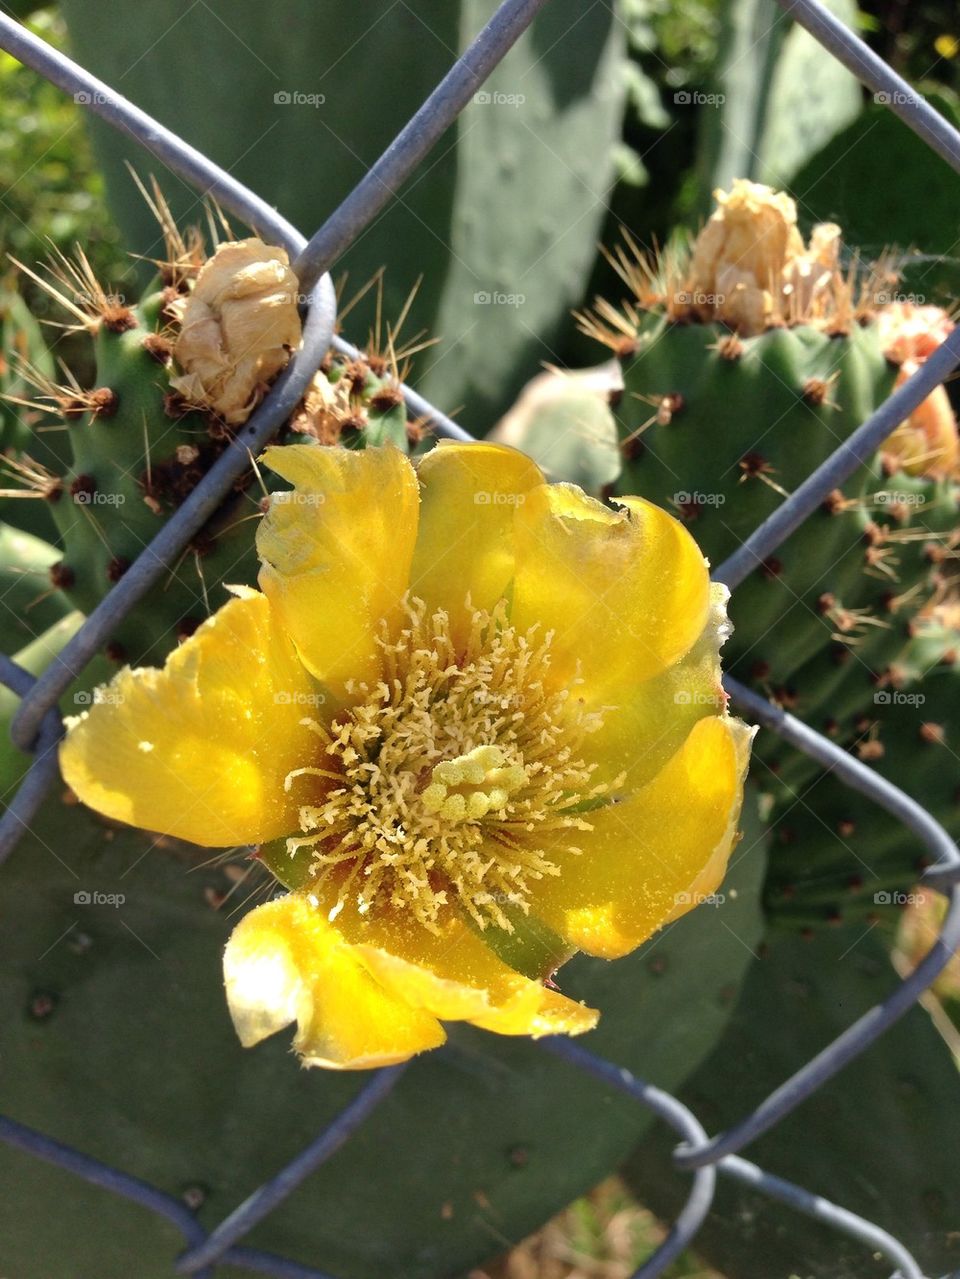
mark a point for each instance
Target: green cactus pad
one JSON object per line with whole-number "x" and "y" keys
{"x": 836, "y": 856}
{"x": 118, "y": 1041}
{"x": 880, "y": 1139}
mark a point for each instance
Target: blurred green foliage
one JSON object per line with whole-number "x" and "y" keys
{"x": 51, "y": 194}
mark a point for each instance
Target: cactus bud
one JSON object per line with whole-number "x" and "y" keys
{"x": 239, "y": 324}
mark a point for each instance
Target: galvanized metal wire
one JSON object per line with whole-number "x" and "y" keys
{"x": 38, "y": 726}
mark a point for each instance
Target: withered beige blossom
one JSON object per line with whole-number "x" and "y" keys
{"x": 324, "y": 409}
{"x": 750, "y": 266}
{"x": 911, "y": 331}
{"x": 238, "y": 326}
{"x": 928, "y": 441}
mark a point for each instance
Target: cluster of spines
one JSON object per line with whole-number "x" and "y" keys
{"x": 139, "y": 448}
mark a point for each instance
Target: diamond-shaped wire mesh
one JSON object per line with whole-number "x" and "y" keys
{"x": 38, "y": 726}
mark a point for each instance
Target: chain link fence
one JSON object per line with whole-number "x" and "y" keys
{"x": 37, "y": 727}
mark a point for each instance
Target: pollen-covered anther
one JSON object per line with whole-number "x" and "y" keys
{"x": 456, "y": 779}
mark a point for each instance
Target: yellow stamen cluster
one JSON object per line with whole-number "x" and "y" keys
{"x": 447, "y": 777}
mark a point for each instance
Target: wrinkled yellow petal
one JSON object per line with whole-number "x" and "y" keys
{"x": 654, "y": 856}
{"x": 469, "y": 493}
{"x": 201, "y": 748}
{"x": 285, "y": 962}
{"x": 627, "y": 593}
{"x": 651, "y": 720}
{"x": 455, "y": 976}
{"x": 337, "y": 551}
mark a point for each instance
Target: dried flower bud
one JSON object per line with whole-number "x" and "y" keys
{"x": 750, "y": 267}
{"x": 238, "y": 326}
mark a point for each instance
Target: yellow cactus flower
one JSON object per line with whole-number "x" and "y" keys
{"x": 474, "y": 723}
{"x": 239, "y": 324}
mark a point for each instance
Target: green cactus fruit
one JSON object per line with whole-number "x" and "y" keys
{"x": 119, "y": 1042}
{"x": 745, "y": 363}
{"x": 902, "y": 1095}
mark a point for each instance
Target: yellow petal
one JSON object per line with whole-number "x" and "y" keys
{"x": 656, "y": 855}
{"x": 337, "y": 553}
{"x": 200, "y": 749}
{"x": 627, "y": 593}
{"x": 465, "y": 544}
{"x": 455, "y": 976}
{"x": 285, "y": 962}
{"x": 652, "y": 720}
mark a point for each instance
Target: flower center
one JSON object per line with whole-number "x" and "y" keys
{"x": 457, "y": 778}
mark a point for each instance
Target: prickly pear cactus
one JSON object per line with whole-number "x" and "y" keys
{"x": 132, "y": 1059}
{"x": 22, "y": 350}
{"x": 565, "y": 422}
{"x": 745, "y": 364}
{"x": 27, "y": 603}
{"x": 837, "y": 857}
{"x": 176, "y": 373}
